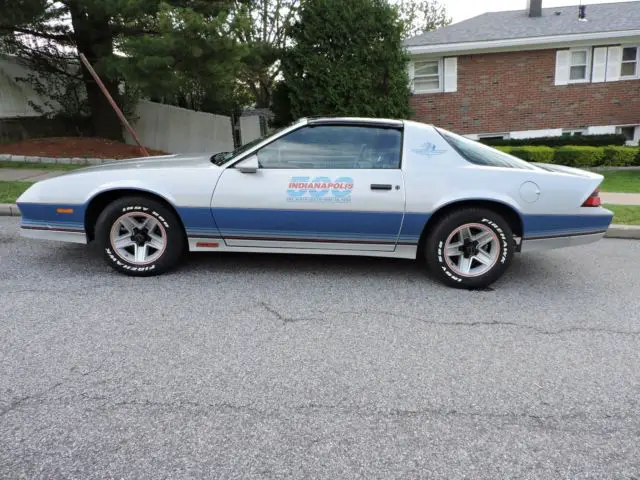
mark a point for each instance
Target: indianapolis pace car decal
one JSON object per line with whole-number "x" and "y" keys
{"x": 320, "y": 190}
{"x": 428, "y": 150}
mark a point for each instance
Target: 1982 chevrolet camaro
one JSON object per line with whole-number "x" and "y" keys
{"x": 335, "y": 186}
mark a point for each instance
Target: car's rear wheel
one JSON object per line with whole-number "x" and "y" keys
{"x": 470, "y": 248}
{"x": 140, "y": 236}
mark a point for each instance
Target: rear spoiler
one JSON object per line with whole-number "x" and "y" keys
{"x": 592, "y": 179}
{"x": 550, "y": 167}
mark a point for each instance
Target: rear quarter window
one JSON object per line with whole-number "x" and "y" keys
{"x": 479, "y": 154}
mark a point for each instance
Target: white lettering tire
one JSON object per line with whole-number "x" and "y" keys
{"x": 140, "y": 236}
{"x": 470, "y": 248}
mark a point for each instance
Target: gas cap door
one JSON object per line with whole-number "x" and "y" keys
{"x": 529, "y": 192}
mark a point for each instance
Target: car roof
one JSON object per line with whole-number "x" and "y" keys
{"x": 388, "y": 122}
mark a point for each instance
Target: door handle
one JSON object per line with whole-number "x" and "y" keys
{"x": 381, "y": 186}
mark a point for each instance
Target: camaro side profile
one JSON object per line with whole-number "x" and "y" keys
{"x": 333, "y": 186}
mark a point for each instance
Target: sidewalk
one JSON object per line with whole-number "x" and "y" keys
{"x": 620, "y": 198}
{"x": 27, "y": 174}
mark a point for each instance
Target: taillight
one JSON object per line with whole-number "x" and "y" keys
{"x": 594, "y": 200}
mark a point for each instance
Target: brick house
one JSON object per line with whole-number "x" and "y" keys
{"x": 532, "y": 73}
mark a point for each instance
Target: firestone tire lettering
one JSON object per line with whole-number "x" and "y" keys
{"x": 176, "y": 239}
{"x": 434, "y": 247}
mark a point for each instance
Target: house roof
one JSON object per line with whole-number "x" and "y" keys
{"x": 605, "y": 17}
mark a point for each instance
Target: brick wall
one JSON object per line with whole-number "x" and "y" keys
{"x": 503, "y": 92}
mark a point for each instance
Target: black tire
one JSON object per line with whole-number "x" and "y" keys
{"x": 167, "y": 224}
{"x": 445, "y": 270}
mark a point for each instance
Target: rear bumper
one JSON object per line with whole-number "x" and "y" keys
{"x": 549, "y": 243}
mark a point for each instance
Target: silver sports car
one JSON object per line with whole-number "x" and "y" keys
{"x": 334, "y": 186}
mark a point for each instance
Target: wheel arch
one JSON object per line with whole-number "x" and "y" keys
{"x": 99, "y": 202}
{"x": 509, "y": 213}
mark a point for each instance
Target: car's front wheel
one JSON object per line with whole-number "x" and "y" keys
{"x": 470, "y": 248}
{"x": 140, "y": 236}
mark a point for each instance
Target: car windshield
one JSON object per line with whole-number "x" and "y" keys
{"x": 223, "y": 157}
{"x": 480, "y": 154}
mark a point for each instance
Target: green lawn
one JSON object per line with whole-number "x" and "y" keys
{"x": 39, "y": 166}
{"x": 625, "y": 214}
{"x": 10, "y": 191}
{"x": 621, "y": 181}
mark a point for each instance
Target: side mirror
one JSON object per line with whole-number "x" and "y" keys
{"x": 248, "y": 165}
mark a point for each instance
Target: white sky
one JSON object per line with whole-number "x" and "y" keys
{"x": 463, "y": 9}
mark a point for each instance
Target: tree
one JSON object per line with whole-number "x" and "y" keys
{"x": 347, "y": 59}
{"x": 263, "y": 27}
{"x": 191, "y": 61}
{"x": 422, "y": 16}
{"x": 281, "y": 105}
{"x": 50, "y": 34}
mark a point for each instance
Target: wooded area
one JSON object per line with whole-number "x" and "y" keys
{"x": 296, "y": 57}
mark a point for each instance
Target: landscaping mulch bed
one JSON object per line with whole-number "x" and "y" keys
{"x": 74, "y": 147}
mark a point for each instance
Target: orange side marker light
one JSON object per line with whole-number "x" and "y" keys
{"x": 64, "y": 210}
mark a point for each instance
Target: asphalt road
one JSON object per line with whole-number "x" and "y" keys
{"x": 247, "y": 366}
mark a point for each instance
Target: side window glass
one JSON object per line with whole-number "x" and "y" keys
{"x": 334, "y": 147}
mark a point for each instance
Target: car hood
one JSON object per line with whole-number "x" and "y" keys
{"x": 164, "y": 161}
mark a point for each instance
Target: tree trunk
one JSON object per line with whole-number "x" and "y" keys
{"x": 94, "y": 38}
{"x": 263, "y": 93}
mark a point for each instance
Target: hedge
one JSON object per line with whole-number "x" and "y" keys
{"x": 620, "y": 156}
{"x": 577, "y": 156}
{"x": 531, "y": 154}
{"x": 572, "y": 140}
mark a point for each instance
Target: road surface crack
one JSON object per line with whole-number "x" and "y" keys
{"x": 540, "y": 331}
{"x": 537, "y": 330}
{"x": 23, "y": 400}
{"x": 286, "y": 319}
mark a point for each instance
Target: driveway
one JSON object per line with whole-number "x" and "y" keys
{"x": 247, "y": 366}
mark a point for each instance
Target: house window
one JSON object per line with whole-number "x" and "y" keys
{"x": 630, "y": 132}
{"x": 574, "y": 133}
{"x": 494, "y": 136}
{"x": 579, "y": 67}
{"x": 629, "y": 66}
{"x": 427, "y": 76}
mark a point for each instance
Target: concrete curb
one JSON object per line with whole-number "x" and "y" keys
{"x": 9, "y": 210}
{"x": 631, "y": 232}
{"x": 60, "y": 161}
{"x": 615, "y": 231}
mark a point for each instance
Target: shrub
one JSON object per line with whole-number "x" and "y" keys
{"x": 619, "y": 156}
{"x": 580, "y": 140}
{"x": 534, "y": 154}
{"x": 504, "y": 149}
{"x": 579, "y": 156}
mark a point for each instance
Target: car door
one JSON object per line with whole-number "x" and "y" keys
{"x": 320, "y": 186}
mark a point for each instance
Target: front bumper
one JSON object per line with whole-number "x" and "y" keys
{"x": 41, "y": 233}
{"x": 44, "y": 221}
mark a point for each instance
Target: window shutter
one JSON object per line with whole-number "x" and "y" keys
{"x": 599, "y": 64}
{"x": 451, "y": 74}
{"x": 614, "y": 64}
{"x": 563, "y": 64}
{"x": 411, "y": 72}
